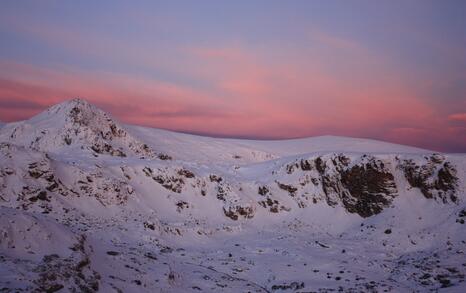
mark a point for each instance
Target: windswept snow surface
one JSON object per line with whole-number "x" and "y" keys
{"x": 237, "y": 151}
{"x": 91, "y": 205}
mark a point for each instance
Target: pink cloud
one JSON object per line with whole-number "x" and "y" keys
{"x": 249, "y": 93}
{"x": 373, "y": 100}
{"x": 458, "y": 117}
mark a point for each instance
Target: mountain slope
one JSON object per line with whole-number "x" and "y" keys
{"x": 144, "y": 210}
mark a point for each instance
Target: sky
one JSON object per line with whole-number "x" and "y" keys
{"x": 390, "y": 70}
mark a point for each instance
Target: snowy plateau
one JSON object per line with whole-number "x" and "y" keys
{"x": 88, "y": 204}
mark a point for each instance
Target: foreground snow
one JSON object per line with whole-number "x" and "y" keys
{"x": 88, "y": 204}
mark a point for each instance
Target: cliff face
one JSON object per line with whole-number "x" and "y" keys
{"x": 366, "y": 184}
{"x": 434, "y": 176}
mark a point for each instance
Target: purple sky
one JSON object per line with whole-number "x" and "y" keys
{"x": 389, "y": 70}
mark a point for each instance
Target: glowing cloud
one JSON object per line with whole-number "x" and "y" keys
{"x": 458, "y": 117}
{"x": 229, "y": 79}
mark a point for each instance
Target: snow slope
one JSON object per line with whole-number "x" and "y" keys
{"x": 246, "y": 151}
{"x": 89, "y": 204}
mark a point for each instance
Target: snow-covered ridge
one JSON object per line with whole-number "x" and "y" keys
{"x": 240, "y": 151}
{"x": 131, "y": 219}
{"x": 78, "y": 124}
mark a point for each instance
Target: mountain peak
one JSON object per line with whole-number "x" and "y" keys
{"x": 76, "y": 122}
{"x": 71, "y": 108}
{"x": 75, "y": 102}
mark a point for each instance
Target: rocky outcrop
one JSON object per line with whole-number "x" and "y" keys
{"x": 434, "y": 176}
{"x": 365, "y": 184}
{"x": 173, "y": 182}
{"x": 237, "y": 211}
{"x": 364, "y": 188}
{"x": 43, "y": 186}
{"x": 361, "y": 184}
{"x": 368, "y": 189}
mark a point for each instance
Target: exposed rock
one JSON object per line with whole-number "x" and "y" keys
{"x": 186, "y": 173}
{"x": 291, "y": 189}
{"x": 235, "y": 212}
{"x": 436, "y": 178}
{"x": 215, "y": 178}
{"x": 305, "y": 165}
{"x": 263, "y": 190}
{"x": 370, "y": 189}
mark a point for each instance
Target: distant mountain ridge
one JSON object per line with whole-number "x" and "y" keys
{"x": 67, "y": 117}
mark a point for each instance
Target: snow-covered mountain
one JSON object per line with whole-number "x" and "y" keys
{"x": 89, "y": 204}
{"x": 72, "y": 124}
